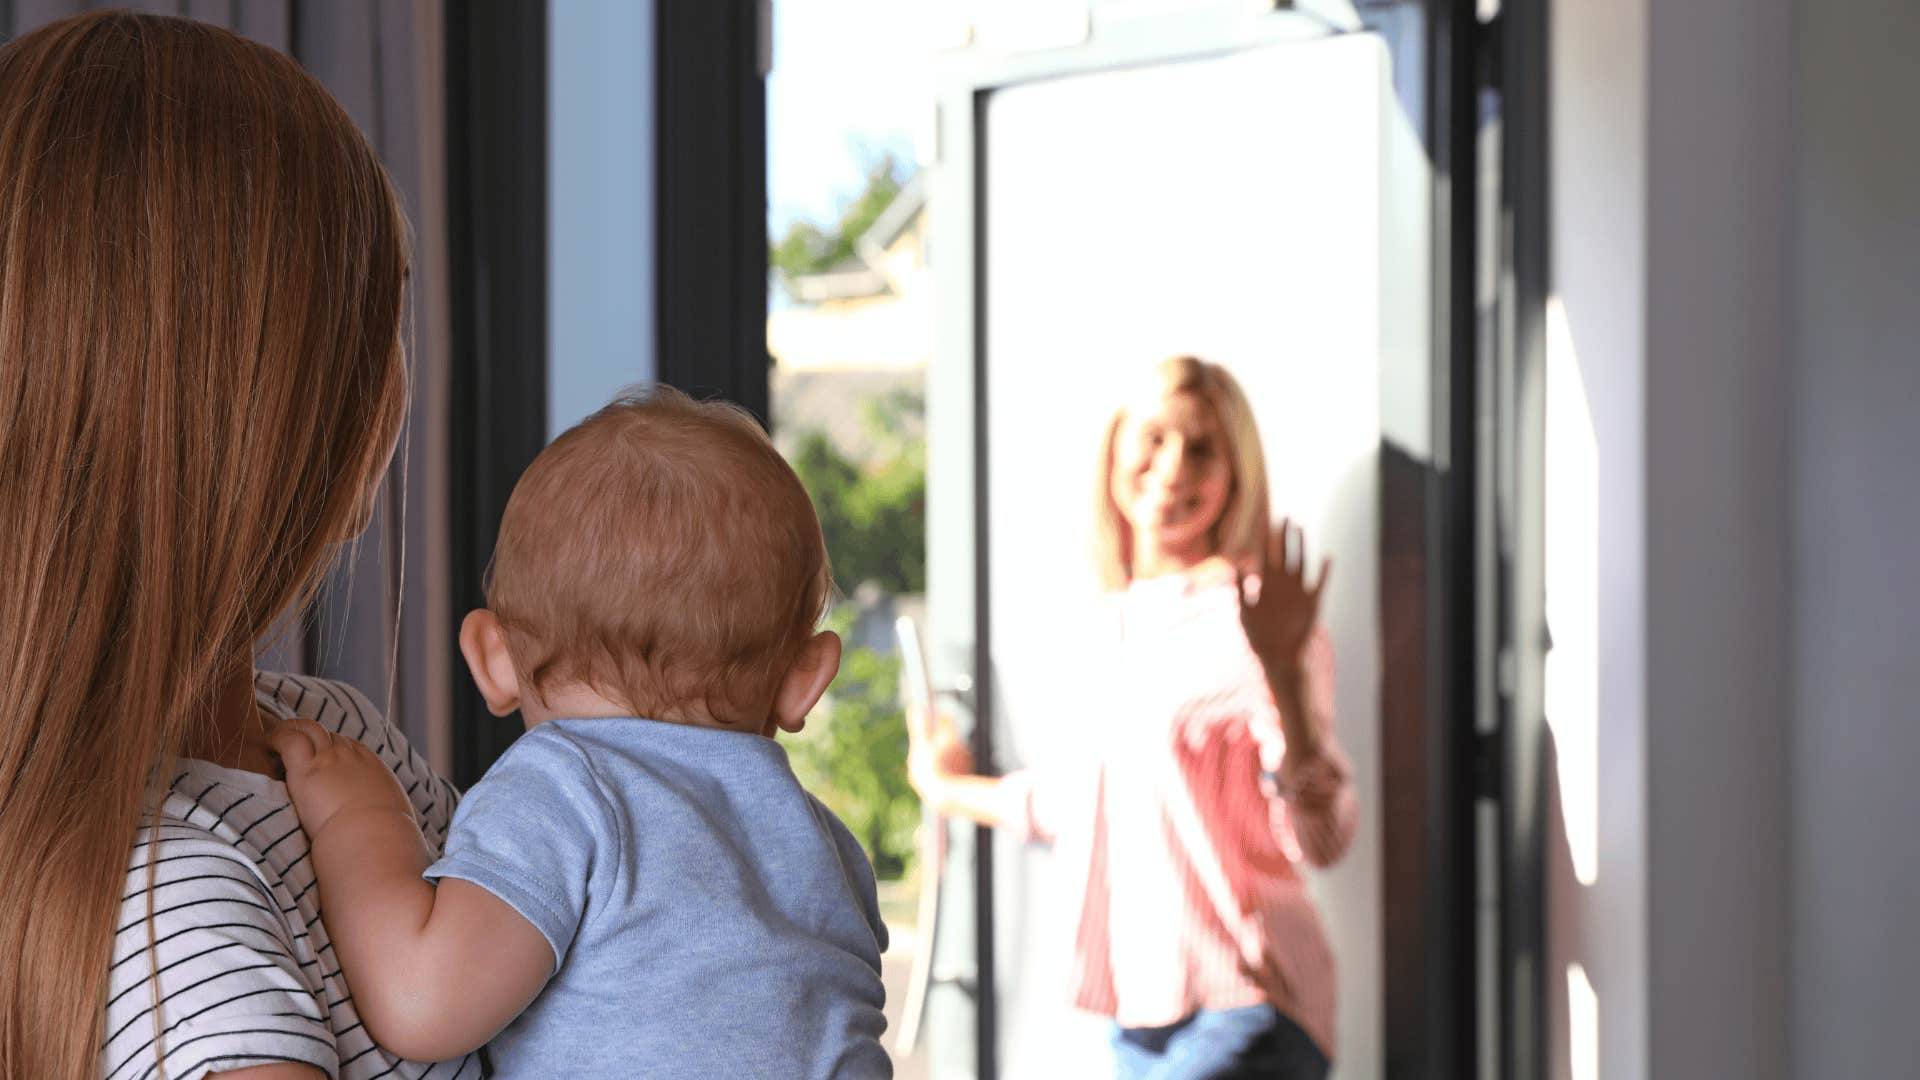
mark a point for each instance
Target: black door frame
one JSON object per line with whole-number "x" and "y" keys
{"x": 496, "y": 130}
{"x": 710, "y": 212}
{"x": 1516, "y": 67}
{"x": 710, "y": 155}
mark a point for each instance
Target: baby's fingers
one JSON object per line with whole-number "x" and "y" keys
{"x": 297, "y": 742}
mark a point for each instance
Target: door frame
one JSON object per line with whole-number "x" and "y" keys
{"x": 496, "y": 147}
{"x": 1432, "y": 929}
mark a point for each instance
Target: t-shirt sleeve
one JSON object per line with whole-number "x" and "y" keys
{"x": 529, "y": 832}
{"x": 859, "y": 870}
{"x": 230, "y": 993}
{"x": 1039, "y": 801}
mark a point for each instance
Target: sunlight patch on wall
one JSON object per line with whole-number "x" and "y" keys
{"x": 1573, "y": 593}
{"x": 1583, "y": 1026}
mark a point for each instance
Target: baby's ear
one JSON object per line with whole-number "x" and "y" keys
{"x": 483, "y": 641}
{"x": 806, "y": 679}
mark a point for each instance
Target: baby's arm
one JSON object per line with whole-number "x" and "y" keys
{"x": 436, "y": 971}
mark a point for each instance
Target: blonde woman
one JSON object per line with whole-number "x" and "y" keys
{"x": 201, "y": 385}
{"x": 1218, "y": 774}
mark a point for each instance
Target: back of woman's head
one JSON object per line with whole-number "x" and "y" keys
{"x": 201, "y": 274}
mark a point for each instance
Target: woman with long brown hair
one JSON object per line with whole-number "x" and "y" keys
{"x": 202, "y": 382}
{"x": 1217, "y": 773}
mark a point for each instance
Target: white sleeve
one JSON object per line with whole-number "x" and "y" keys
{"x": 1040, "y": 801}
{"x": 230, "y": 992}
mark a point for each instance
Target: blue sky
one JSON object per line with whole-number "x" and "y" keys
{"x": 850, "y": 81}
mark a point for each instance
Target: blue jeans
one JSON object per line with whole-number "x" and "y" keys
{"x": 1257, "y": 1042}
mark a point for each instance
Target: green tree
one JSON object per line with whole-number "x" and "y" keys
{"x": 809, "y": 249}
{"x": 853, "y": 755}
{"x": 874, "y": 514}
{"x": 802, "y": 251}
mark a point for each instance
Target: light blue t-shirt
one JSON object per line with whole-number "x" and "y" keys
{"x": 708, "y": 916}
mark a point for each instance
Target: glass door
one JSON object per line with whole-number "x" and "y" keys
{"x": 1268, "y": 190}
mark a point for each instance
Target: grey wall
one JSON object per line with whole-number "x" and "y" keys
{"x": 1855, "y": 438}
{"x": 1719, "y": 137}
{"x": 1736, "y": 234}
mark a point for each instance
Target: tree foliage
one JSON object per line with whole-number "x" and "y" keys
{"x": 853, "y": 754}
{"x": 807, "y": 248}
{"x": 874, "y": 513}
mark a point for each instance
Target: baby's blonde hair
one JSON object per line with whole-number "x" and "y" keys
{"x": 663, "y": 554}
{"x": 1242, "y": 528}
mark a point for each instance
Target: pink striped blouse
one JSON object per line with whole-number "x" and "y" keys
{"x": 1189, "y": 821}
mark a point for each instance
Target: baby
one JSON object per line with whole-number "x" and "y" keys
{"x": 639, "y": 886}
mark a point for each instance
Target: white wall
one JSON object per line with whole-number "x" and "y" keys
{"x": 1855, "y": 420}
{"x": 600, "y": 204}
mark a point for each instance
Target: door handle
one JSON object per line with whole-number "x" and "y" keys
{"x": 932, "y": 842}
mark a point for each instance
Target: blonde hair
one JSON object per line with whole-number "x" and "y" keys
{"x": 663, "y": 553}
{"x": 201, "y": 280}
{"x": 1242, "y": 529}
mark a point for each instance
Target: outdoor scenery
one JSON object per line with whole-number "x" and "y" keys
{"x": 850, "y": 330}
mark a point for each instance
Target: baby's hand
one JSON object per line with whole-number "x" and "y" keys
{"x": 329, "y": 774}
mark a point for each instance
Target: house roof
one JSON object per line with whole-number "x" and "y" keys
{"x": 899, "y": 214}
{"x": 861, "y": 274}
{"x": 857, "y": 281}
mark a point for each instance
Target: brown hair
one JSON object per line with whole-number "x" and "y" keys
{"x": 664, "y": 554}
{"x": 1242, "y": 530}
{"x": 201, "y": 279}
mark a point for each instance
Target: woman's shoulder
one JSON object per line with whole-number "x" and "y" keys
{"x": 197, "y": 907}
{"x": 331, "y": 703}
{"x": 341, "y": 708}
{"x": 197, "y": 838}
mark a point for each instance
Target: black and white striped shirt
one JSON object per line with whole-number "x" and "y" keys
{"x": 247, "y": 975}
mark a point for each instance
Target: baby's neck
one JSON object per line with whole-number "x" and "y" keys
{"x": 575, "y": 701}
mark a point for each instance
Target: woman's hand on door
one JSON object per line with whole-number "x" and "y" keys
{"x": 936, "y": 753}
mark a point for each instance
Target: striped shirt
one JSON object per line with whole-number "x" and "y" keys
{"x": 1188, "y": 822}
{"x": 247, "y": 974}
